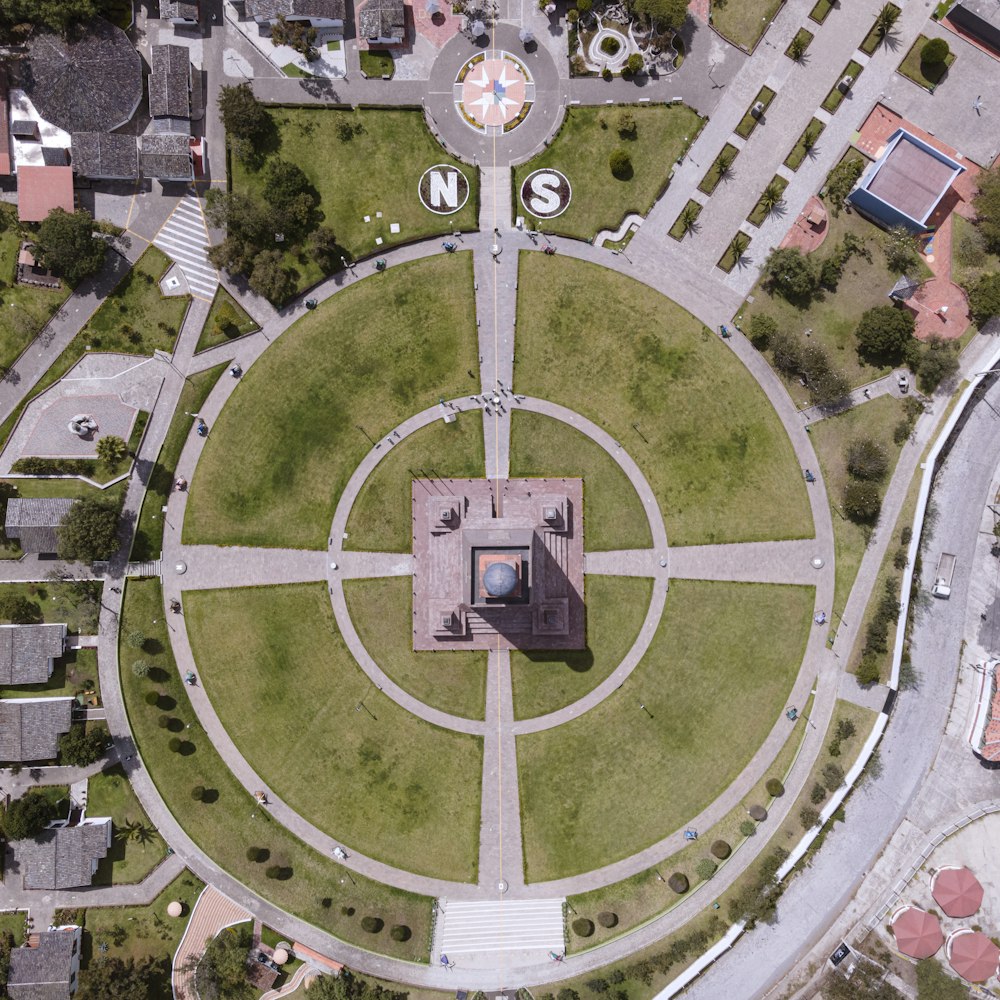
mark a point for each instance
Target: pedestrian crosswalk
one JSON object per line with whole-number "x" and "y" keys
{"x": 476, "y": 926}
{"x": 184, "y": 239}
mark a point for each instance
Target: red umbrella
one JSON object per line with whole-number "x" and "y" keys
{"x": 973, "y": 955}
{"x": 957, "y": 891}
{"x": 918, "y": 934}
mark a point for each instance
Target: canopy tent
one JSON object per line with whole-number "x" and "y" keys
{"x": 918, "y": 933}
{"x": 477, "y": 28}
{"x": 957, "y": 891}
{"x": 972, "y": 955}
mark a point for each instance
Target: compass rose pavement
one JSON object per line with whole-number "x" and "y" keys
{"x": 494, "y": 92}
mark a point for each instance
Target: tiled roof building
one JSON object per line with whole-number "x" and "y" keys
{"x": 383, "y": 21}
{"x": 169, "y": 82}
{"x": 64, "y": 857}
{"x": 46, "y": 969}
{"x": 105, "y": 155}
{"x": 30, "y": 727}
{"x": 28, "y": 652}
{"x": 33, "y": 521}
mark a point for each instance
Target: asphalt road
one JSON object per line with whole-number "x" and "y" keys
{"x": 926, "y": 778}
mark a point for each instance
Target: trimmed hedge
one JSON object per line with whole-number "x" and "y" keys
{"x": 373, "y": 925}
{"x": 679, "y": 883}
{"x": 775, "y": 788}
{"x": 582, "y": 927}
{"x": 721, "y": 850}
{"x": 607, "y": 919}
{"x": 401, "y": 933}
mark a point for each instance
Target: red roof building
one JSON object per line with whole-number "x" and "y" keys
{"x": 918, "y": 933}
{"x": 957, "y": 891}
{"x": 972, "y": 955}
{"x": 984, "y": 732}
{"x": 41, "y": 189}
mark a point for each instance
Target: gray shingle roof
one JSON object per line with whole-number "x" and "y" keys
{"x": 332, "y": 9}
{"x": 62, "y": 858}
{"x": 169, "y": 82}
{"x": 30, "y": 727}
{"x": 27, "y": 650}
{"x": 89, "y": 83}
{"x": 105, "y": 154}
{"x": 382, "y": 19}
{"x": 43, "y": 972}
{"x": 179, "y": 8}
{"x": 33, "y": 521}
{"x": 167, "y": 156}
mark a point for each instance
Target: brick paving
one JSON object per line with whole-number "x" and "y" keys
{"x": 806, "y": 235}
{"x": 211, "y": 913}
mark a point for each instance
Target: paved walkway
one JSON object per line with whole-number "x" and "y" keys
{"x": 184, "y": 239}
{"x": 212, "y": 913}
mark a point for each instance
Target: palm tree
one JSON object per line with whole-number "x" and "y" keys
{"x": 688, "y": 219}
{"x": 771, "y": 196}
{"x": 809, "y": 140}
{"x": 738, "y": 245}
{"x": 886, "y": 19}
{"x": 726, "y": 158}
{"x": 798, "y": 48}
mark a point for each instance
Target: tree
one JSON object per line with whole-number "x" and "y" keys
{"x": 295, "y": 34}
{"x": 771, "y": 196}
{"x": 627, "y": 128}
{"x": 634, "y": 63}
{"x": 987, "y": 206}
{"x": 984, "y": 299}
{"x": 18, "y": 17}
{"x": 935, "y": 51}
{"x": 247, "y": 122}
{"x": 620, "y": 163}
{"x": 833, "y": 776}
{"x": 725, "y": 161}
{"x": 67, "y": 244}
{"x": 80, "y": 747}
{"x": 221, "y": 974}
{"x": 841, "y": 180}
{"x": 884, "y": 332}
{"x": 288, "y": 196}
{"x": 791, "y": 273}
{"x": 737, "y": 246}
{"x": 748, "y": 828}
{"x": 761, "y": 329}
{"x": 89, "y": 531}
{"x": 862, "y": 500}
{"x": 353, "y": 987}
{"x": 808, "y": 817}
{"x": 135, "y": 638}
{"x": 323, "y": 247}
{"x": 27, "y": 816}
{"x": 111, "y": 450}
{"x": 868, "y": 671}
{"x": 269, "y": 278}
{"x": 886, "y": 19}
{"x": 933, "y": 983}
{"x": 798, "y": 47}
{"x": 668, "y": 14}
{"x": 113, "y": 979}
{"x": 688, "y": 219}
{"x": 19, "y": 610}
{"x": 937, "y": 364}
{"x": 901, "y": 252}
{"x": 866, "y": 458}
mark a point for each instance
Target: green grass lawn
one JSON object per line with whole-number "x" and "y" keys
{"x": 546, "y": 681}
{"x": 805, "y": 36}
{"x": 148, "y": 540}
{"x": 451, "y": 680}
{"x": 382, "y": 516}
{"x": 721, "y": 665}
{"x": 215, "y": 332}
{"x": 378, "y": 169}
{"x": 830, "y": 438}
{"x": 714, "y": 174}
{"x": 715, "y": 453}
{"x": 743, "y": 21}
{"x": 136, "y": 848}
{"x": 230, "y": 823}
{"x": 582, "y": 149}
{"x": 12, "y": 922}
{"x": 833, "y": 317}
{"x": 141, "y": 932}
{"x": 291, "y": 69}
{"x": 404, "y": 338}
{"x": 25, "y": 309}
{"x": 56, "y": 601}
{"x": 926, "y": 75}
{"x": 678, "y": 230}
{"x": 760, "y": 210}
{"x": 376, "y": 64}
{"x": 395, "y": 781}
{"x": 541, "y": 447}
{"x": 835, "y": 98}
{"x": 799, "y": 151}
{"x": 135, "y": 318}
{"x": 69, "y": 677}
{"x": 750, "y": 121}
{"x": 820, "y": 11}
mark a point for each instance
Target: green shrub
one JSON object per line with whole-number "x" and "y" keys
{"x": 868, "y": 671}
{"x": 845, "y": 729}
{"x": 833, "y": 776}
{"x": 761, "y": 329}
{"x": 817, "y": 793}
{"x": 607, "y": 74}
{"x": 198, "y": 793}
{"x": 634, "y": 63}
{"x": 748, "y": 828}
{"x": 867, "y": 459}
{"x": 934, "y": 52}
{"x": 705, "y": 869}
{"x": 621, "y": 164}
{"x": 175, "y": 744}
{"x": 141, "y": 668}
{"x": 372, "y": 925}
{"x": 808, "y": 817}
{"x": 274, "y": 871}
{"x": 862, "y": 501}
{"x": 721, "y": 849}
{"x": 151, "y": 698}
{"x": 163, "y": 721}
{"x": 774, "y": 788}
{"x": 135, "y": 638}
{"x": 400, "y": 932}
{"x": 582, "y": 927}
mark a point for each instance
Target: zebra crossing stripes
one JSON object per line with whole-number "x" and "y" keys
{"x": 184, "y": 240}
{"x": 502, "y": 925}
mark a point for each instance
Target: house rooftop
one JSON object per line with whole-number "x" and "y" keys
{"x": 382, "y": 19}
{"x": 63, "y": 857}
{"x": 327, "y": 9}
{"x": 90, "y": 82}
{"x": 105, "y": 154}
{"x": 169, "y": 82}
{"x": 27, "y": 652}
{"x": 30, "y": 727}
{"x": 185, "y": 9}
{"x": 43, "y": 971}
{"x": 33, "y": 521}
{"x": 41, "y": 189}
{"x": 911, "y": 176}
{"x": 166, "y": 156}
